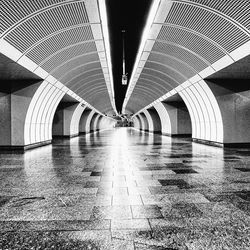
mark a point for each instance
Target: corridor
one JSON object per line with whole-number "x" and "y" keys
{"x": 125, "y": 189}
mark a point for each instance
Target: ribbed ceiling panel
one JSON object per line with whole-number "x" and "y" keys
{"x": 173, "y": 63}
{"x": 159, "y": 82}
{"x": 67, "y": 54}
{"x": 165, "y": 70}
{"x": 65, "y": 38}
{"x": 79, "y": 73}
{"x": 191, "y": 41}
{"x": 164, "y": 77}
{"x": 215, "y": 27}
{"x": 46, "y": 23}
{"x": 150, "y": 87}
{"x": 87, "y": 84}
{"x": 58, "y": 41}
{"x": 137, "y": 102}
{"x": 17, "y": 10}
{"x": 97, "y": 100}
{"x": 84, "y": 77}
{"x": 182, "y": 54}
{"x": 73, "y": 64}
{"x": 236, "y": 9}
{"x": 88, "y": 87}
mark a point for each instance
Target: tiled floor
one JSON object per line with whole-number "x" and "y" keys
{"x": 122, "y": 189}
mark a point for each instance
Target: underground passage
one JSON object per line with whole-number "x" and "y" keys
{"x": 125, "y": 124}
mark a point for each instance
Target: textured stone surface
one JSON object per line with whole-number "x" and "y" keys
{"x": 122, "y": 189}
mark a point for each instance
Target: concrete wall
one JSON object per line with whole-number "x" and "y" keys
{"x": 62, "y": 121}
{"x": 106, "y": 123}
{"x": 136, "y": 122}
{"x": 13, "y": 111}
{"x": 142, "y": 126}
{"x": 88, "y": 121}
{"x": 149, "y": 120}
{"x": 83, "y": 120}
{"x": 156, "y": 120}
{"x": 166, "y": 127}
{"x": 175, "y": 119}
{"x": 96, "y": 122}
{"x": 145, "y": 124}
{"x": 92, "y": 122}
{"x": 75, "y": 121}
{"x": 235, "y": 110}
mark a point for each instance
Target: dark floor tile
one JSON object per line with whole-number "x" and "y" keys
{"x": 245, "y": 195}
{"x": 54, "y": 240}
{"x": 181, "y": 210}
{"x": 96, "y": 174}
{"x": 174, "y": 182}
{"x": 4, "y": 200}
{"x": 54, "y": 225}
{"x": 244, "y": 207}
{"x": 222, "y": 197}
{"x": 151, "y": 168}
{"x": 244, "y": 153}
{"x": 87, "y": 170}
{"x": 139, "y": 246}
{"x": 146, "y": 211}
{"x": 243, "y": 169}
{"x": 163, "y": 189}
{"x": 185, "y": 171}
{"x": 175, "y": 165}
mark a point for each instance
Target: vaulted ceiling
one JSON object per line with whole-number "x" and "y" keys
{"x": 76, "y": 45}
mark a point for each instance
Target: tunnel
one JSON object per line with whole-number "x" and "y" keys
{"x": 88, "y": 160}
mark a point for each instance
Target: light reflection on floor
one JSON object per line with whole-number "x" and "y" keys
{"x": 124, "y": 189}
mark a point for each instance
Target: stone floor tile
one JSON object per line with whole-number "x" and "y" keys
{"x": 146, "y": 211}
{"x": 132, "y": 224}
{"x": 155, "y": 192}
{"x": 127, "y": 200}
{"x": 111, "y": 212}
{"x": 118, "y": 244}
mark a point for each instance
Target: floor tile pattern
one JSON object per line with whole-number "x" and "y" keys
{"x": 124, "y": 189}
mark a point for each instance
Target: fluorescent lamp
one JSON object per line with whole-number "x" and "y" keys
{"x": 103, "y": 14}
{"x": 150, "y": 19}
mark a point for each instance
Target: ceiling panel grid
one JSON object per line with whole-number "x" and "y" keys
{"x": 77, "y": 75}
{"x": 195, "y": 42}
{"x": 58, "y": 41}
{"x": 196, "y": 18}
{"x": 194, "y": 37}
{"x": 173, "y": 62}
{"x": 67, "y": 54}
{"x": 47, "y": 22}
{"x": 54, "y": 37}
{"x": 24, "y": 7}
{"x": 237, "y": 10}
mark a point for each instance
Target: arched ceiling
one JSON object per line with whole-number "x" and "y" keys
{"x": 65, "y": 42}
{"x": 184, "y": 41}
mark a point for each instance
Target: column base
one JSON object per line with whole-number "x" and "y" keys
{"x": 22, "y": 148}
{"x": 178, "y": 135}
{"x": 210, "y": 143}
{"x": 64, "y": 136}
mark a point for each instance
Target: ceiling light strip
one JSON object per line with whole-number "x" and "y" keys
{"x": 150, "y": 20}
{"x": 109, "y": 78}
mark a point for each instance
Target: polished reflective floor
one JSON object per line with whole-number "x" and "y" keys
{"x": 123, "y": 189}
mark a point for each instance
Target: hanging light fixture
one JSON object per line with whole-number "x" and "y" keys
{"x": 124, "y": 74}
